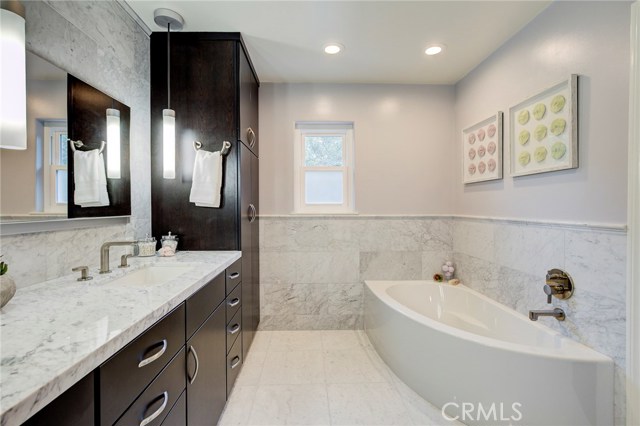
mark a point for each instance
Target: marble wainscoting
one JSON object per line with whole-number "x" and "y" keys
{"x": 508, "y": 260}
{"x": 312, "y": 269}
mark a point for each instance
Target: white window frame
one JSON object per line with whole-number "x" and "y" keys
{"x": 344, "y": 129}
{"x": 51, "y": 151}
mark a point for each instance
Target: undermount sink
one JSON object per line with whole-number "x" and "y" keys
{"x": 152, "y": 275}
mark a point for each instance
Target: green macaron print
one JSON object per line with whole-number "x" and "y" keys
{"x": 523, "y": 137}
{"x": 524, "y": 158}
{"x": 540, "y": 132}
{"x": 557, "y": 103}
{"x": 558, "y": 150}
{"x": 539, "y": 111}
{"x": 540, "y": 154}
{"x": 523, "y": 117}
{"x": 557, "y": 126}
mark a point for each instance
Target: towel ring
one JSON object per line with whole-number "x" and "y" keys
{"x": 79, "y": 144}
{"x": 226, "y": 147}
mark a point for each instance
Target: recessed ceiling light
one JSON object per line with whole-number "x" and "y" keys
{"x": 434, "y": 49}
{"x": 333, "y": 48}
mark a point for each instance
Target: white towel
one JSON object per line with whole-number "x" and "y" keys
{"x": 90, "y": 179}
{"x": 207, "y": 179}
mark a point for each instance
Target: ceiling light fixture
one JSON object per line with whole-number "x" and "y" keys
{"x": 333, "y": 48}
{"x": 434, "y": 49}
{"x": 13, "y": 87}
{"x": 173, "y": 21}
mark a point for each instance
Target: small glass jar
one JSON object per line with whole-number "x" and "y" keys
{"x": 170, "y": 241}
{"x": 147, "y": 247}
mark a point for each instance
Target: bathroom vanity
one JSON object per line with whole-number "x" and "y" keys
{"x": 113, "y": 352}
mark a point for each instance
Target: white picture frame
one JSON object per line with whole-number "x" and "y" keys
{"x": 482, "y": 146}
{"x": 544, "y": 130}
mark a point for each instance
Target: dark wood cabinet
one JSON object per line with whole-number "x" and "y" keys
{"x": 214, "y": 92}
{"x": 206, "y": 371}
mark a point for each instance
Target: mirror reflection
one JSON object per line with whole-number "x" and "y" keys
{"x": 38, "y": 183}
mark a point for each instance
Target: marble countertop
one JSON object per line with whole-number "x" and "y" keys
{"x": 54, "y": 333}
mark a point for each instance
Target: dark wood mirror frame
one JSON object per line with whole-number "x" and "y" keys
{"x": 86, "y": 112}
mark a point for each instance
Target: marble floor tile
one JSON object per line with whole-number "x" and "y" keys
{"x": 239, "y": 406}
{"x": 290, "y": 405}
{"x": 366, "y": 404}
{"x": 341, "y": 340}
{"x": 251, "y": 368}
{"x": 296, "y": 367}
{"x": 261, "y": 341}
{"x": 351, "y": 366}
{"x": 285, "y": 341}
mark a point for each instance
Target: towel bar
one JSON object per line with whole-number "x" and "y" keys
{"x": 80, "y": 144}
{"x": 226, "y": 147}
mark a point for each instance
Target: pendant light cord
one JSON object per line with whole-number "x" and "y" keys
{"x": 168, "y": 65}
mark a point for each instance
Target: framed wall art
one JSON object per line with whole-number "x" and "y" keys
{"x": 482, "y": 150}
{"x": 544, "y": 130}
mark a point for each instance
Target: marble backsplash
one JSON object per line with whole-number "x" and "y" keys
{"x": 313, "y": 270}
{"x": 98, "y": 42}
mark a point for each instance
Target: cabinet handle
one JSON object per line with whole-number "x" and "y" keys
{"x": 233, "y": 330}
{"x": 155, "y": 356}
{"x": 252, "y": 213}
{"x": 235, "y": 362}
{"x": 251, "y": 137}
{"x": 195, "y": 357}
{"x": 234, "y": 302}
{"x": 156, "y": 413}
{"x": 234, "y": 275}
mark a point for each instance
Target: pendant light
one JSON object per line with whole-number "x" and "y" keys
{"x": 172, "y": 21}
{"x": 113, "y": 143}
{"x": 13, "y": 87}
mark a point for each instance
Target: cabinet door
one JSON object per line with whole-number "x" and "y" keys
{"x": 248, "y": 131}
{"x": 247, "y": 219}
{"x": 206, "y": 371}
{"x": 255, "y": 245}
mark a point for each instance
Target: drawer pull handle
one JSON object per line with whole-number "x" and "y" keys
{"x": 155, "y": 356}
{"x": 195, "y": 357}
{"x": 234, "y": 275}
{"x": 234, "y": 302}
{"x": 235, "y": 362}
{"x": 156, "y": 413}
{"x": 253, "y": 213}
{"x": 251, "y": 137}
{"x": 233, "y": 330}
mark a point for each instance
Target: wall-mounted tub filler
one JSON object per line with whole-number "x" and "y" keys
{"x": 559, "y": 284}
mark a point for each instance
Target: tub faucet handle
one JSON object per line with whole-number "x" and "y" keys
{"x": 559, "y": 284}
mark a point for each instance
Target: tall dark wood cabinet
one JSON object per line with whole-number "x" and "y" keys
{"x": 214, "y": 92}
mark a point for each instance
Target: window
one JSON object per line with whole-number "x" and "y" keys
{"x": 55, "y": 168}
{"x": 323, "y": 155}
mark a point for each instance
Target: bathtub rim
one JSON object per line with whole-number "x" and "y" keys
{"x": 574, "y": 351}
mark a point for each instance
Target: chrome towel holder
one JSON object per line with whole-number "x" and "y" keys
{"x": 79, "y": 144}
{"x": 226, "y": 147}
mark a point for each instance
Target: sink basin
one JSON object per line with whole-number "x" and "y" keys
{"x": 152, "y": 275}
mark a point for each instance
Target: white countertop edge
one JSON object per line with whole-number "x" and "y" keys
{"x": 19, "y": 409}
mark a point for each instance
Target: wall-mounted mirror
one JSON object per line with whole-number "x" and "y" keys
{"x": 38, "y": 183}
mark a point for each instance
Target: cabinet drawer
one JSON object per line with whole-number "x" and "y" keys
{"x": 178, "y": 414}
{"x": 151, "y": 408}
{"x": 234, "y": 275}
{"x": 234, "y": 364}
{"x": 203, "y": 302}
{"x": 233, "y": 302}
{"x": 127, "y": 373}
{"x": 234, "y": 329}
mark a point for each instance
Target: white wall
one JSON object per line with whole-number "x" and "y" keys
{"x": 402, "y": 143}
{"x": 586, "y": 38}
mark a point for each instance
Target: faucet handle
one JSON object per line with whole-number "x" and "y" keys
{"x": 559, "y": 284}
{"x": 84, "y": 273}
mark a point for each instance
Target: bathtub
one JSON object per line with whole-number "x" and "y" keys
{"x": 484, "y": 363}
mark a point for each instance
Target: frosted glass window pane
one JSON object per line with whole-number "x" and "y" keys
{"x": 323, "y": 151}
{"x": 323, "y": 187}
{"x": 61, "y": 186}
{"x": 62, "y": 161}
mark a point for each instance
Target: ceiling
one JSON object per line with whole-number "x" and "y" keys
{"x": 384, "y": 40}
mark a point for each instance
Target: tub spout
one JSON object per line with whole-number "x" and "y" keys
{"x": 557, "y": 313}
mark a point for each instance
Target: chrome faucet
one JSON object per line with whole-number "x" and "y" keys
{"x": 104, "y": 253}
{"x": 557, "y": 313}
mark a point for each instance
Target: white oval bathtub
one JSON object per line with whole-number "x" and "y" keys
{"x": 484, "y": 362}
